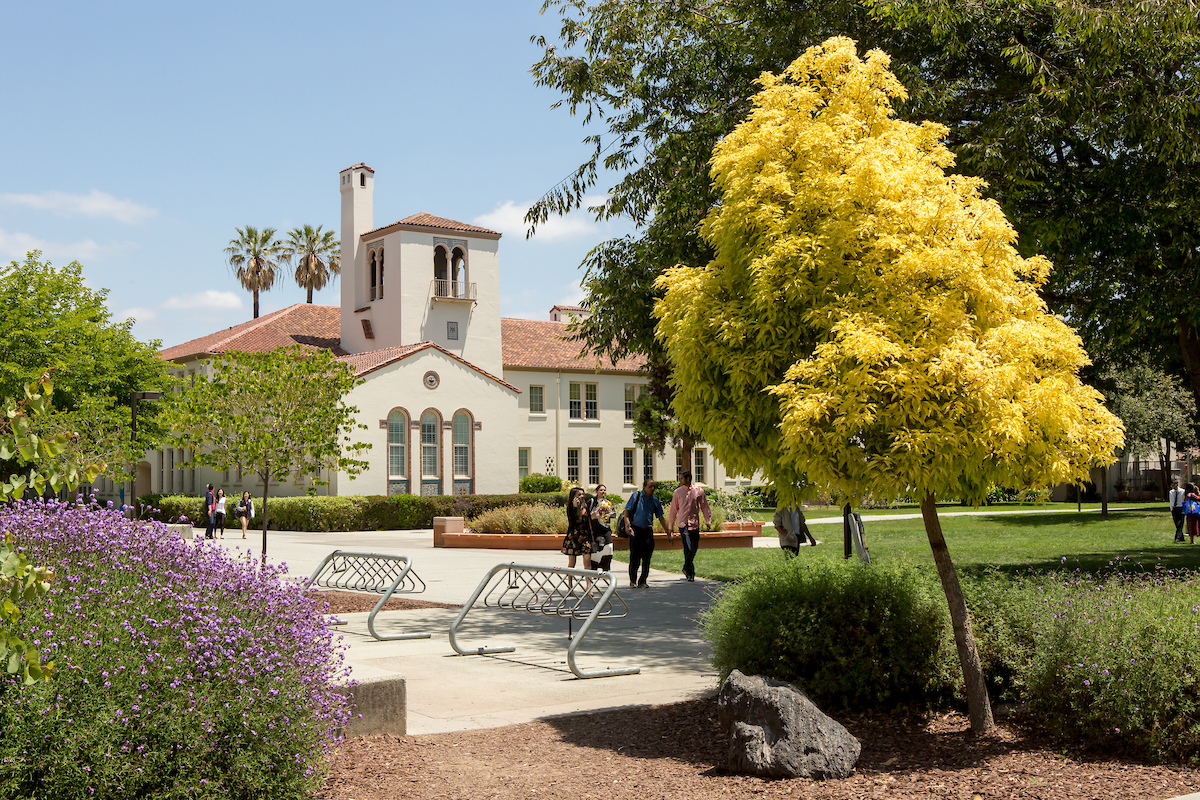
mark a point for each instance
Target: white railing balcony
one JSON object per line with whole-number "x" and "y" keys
{"x": 452, "y": 290}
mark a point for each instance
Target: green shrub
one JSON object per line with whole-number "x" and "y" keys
{"x": 174, "y": 507}
{"x": 532, "y": 518}
{"x": 537, "y": 483}
{"x": 852, "y": 636}
{"x": 1117, "y": 661}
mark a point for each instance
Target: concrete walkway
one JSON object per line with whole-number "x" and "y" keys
{"x": 448, "y": 692}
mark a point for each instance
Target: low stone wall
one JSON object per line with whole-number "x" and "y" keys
{"x": 378, "y": 705}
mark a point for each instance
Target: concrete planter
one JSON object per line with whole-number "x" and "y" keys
{"x": 750, "y": 526}
{"x": 501, "y": 541}
{"x": 444, "y": 525}
{"x": 181, "y": 530}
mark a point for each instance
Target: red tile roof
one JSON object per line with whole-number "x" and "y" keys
{"x": 534, "y": 344}
{"x": 359, "y": 164}
{"x": 310, "y": 326}
{"x": 426, "y": 220}
{"x": 362, "y": 363}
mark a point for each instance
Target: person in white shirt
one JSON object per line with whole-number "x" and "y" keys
{"x": 1176, "y": 497}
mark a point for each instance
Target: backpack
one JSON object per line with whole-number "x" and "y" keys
{"x": 1191, "y": 507}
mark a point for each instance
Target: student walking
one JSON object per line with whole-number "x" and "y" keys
{"x": 687, "y": 504}
{"x": 1176, "y": 497}
{"x": 792, "y": 529}
{"x": 210, "y": 511}
{"x": 640, "y": 511}
{"x": 245, "y": 511}
{"x": 578, "y": 541}
{"x": 1191, "y": 510}
{"x": 220, "y": 511}
{"x": 600, "y": 511}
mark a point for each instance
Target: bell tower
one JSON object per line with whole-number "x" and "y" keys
{"x": 357, "y": 186}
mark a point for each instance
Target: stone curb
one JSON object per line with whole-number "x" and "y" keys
{"x": 377, "y": 705}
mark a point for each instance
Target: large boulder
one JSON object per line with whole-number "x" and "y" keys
{"x": 775, "y": 731}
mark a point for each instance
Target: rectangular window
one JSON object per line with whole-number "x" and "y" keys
{"x": 629, "y": 390}
{"x": 452, "y": 331}
{"x": 537, "y": 400}
{"x": 575, "y": 400}
{"x": 678, "y": 465}
{"x": 573, "y": 464}
{"x": 523, "y": 462}
{"x": 627, "y": 467}
{"x": 593, "y": 466}
{"x": 591, "y": 404}
{"x": 647, "y": 465}
{"x": 701, "y": 460}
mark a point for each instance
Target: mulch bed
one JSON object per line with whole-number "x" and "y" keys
{"x": 677, "y": 752}
{"x": 351, "y": 602}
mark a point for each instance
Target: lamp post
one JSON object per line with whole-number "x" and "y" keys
{"x": 133, "y": 401}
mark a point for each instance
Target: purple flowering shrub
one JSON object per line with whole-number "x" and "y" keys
{"x": 180, "y": 672}
{"x": 1116, "y": 659}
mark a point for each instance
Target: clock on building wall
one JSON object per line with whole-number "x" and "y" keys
{"x": 431, "y": 380}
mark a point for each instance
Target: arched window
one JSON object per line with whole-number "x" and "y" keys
{"x": 381, "y": 273}
{"x": 430, "y": 460}
{"x": 397, "y": 452}
{"x": 373, "y": 275}
{"x": 458, "y": 273}
{"x": 441, "y": 286}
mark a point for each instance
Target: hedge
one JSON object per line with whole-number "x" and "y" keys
{"x": 350, "y": 513}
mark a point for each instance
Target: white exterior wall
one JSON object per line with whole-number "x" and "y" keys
{"x": 357, "y": 219}
{"x": 553, "y": 433}
{"x": 400, "y": 385}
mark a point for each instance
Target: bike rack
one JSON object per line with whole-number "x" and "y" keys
{"x": 378, "y": 573}
{"x": 554, "y": 591}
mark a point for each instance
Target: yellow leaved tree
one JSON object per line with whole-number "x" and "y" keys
{"x": 867, "y": 326}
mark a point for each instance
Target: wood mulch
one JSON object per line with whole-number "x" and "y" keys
{"x": 678, "y": 752}
{"x": 351, "y": 602}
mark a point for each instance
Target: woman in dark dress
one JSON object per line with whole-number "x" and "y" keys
{"x": 578, "y": 541}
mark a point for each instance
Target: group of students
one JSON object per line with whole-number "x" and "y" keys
{"x": 590, "y": 527}
{"x": 1185, "y": 509}
{"x": 214, "y": 509}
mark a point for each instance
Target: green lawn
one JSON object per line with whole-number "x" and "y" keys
{"x": 1015, "y": 542}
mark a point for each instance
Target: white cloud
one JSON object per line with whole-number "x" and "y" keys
{"x": 16, "y": 244}
{"x": 95, "y": 204}
{"x": 509, "y": 219}
{"x": 209, "y": 299}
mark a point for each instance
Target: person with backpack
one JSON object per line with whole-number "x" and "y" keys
{"x": 640, "y": 511}
{"x": 1191, "y": 511}
{"x": 1176, "y": 497}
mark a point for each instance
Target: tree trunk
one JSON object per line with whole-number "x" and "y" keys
{"x": 847, "y": 544}
{"x": 1164, "y": 472}
{"x": 266, "y": 489}
{"x": 310, "y": 293}
{"x": 979, "y": 707}
{"x": 685, "y": 448}
{"x": 1104, "y": 492}
{"x": 256, "y": 303}
{"x": 1189, "y": 352}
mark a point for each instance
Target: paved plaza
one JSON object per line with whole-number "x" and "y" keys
{"x": 449, "y": 692}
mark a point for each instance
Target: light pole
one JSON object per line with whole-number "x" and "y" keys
{"x": 133, "y": 401}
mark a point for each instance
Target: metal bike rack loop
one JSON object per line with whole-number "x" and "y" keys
{"x": 378, "y": 573}
{"x": 554, "y": 591}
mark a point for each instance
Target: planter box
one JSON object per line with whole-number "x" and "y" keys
{"x": 444, "y": 525}
{"x": 501, "y": 541}
{"x": 750, "y": 526}
{"x": 181, "y": 530}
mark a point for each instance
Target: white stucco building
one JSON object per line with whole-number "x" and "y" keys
{"x": 455, "y": 398}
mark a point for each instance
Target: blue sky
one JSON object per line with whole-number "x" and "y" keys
{"x": 137, "y": 136}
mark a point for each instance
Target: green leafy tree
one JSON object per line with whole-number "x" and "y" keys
{"x": 1155, "y": 408}
{"x": 317, "y": 254}
{"x": 53, "y": 321}
{"x": 866, "y": 325}
{"x": 276, "y": 414}
{"x": 1081, "y": 116}
{"x": 20, "y": 583}
{"x": 255, "y": 257}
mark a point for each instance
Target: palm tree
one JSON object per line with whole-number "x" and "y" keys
{"x": 320, "y": 256}
{"x": 255, "y": 256}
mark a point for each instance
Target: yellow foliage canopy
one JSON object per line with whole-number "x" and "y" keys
{"x": 867, "y": 325}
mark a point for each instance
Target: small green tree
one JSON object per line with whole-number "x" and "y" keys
{"x": 275, "y": 414}
{"x": 866, "y": 324}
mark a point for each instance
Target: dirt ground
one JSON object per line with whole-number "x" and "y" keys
{"x": 350, "y": 602}
{"x": 678, "y": 752}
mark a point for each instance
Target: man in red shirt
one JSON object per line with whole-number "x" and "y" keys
{"x": 687, "y": 504}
